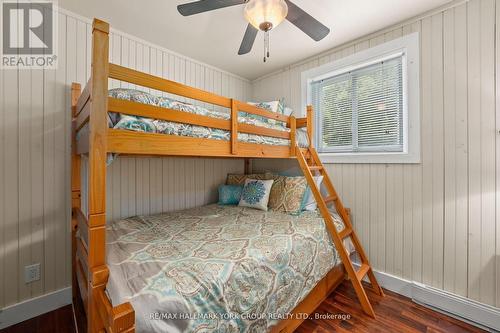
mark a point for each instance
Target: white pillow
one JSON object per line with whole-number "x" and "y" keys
{"x": 269, "y": 106}
{"x": 256, "y": 193}
{"x": 309, "y": 201}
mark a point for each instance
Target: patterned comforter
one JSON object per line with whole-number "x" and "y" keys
{"x": 216, "y": 268}
{"x": 148, "y": 125}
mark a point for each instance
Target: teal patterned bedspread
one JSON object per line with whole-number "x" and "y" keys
{"x": 141, "y": 124}
{"x": 216, "y": 268}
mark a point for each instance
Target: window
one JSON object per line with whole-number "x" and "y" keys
{"x": 366, "y": 106}
{"x": 362, "y": 110}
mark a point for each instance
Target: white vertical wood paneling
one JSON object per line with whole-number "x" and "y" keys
{"x": 462, "y": 149}
{"x": 35, "y": 156}
{"x": 62, "y": 126}
{"x": 3, "y": 227}
{"x": 24, "y": 174}
{"x": 474, "y": 140}
{"x": 488, "y": 137}
{"x": 497, "y": 219}
{"x": 497, "y": 86}
{"x": 437, "y": 149}
{"x": 435, "y": 222}
{"x": 10, "y": 185}
{"x": 168, "y": 184}
{"x": 426, "y": 112}
{"x": 449, "y": 142}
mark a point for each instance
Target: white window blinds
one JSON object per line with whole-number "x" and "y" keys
{"x": 361, "y": 110}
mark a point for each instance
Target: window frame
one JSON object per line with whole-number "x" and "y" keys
{"x": 407, "y": 46}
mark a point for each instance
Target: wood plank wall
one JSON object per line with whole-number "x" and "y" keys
{"x": 145, "y": 186}
{"x": 436, "y": 222}
{"x": 35, "y": 156}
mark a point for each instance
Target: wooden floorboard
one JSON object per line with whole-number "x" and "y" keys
{"x": 395, "y": 313}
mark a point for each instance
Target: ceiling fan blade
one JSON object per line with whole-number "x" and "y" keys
{"x": 248, "y": 40}
{"x": 202, "y": 6}
{"x": 305, "y": 22}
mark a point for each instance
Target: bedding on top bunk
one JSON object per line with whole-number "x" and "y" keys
{"x": 141, "y": 124}
{"x": 209, "y": 269}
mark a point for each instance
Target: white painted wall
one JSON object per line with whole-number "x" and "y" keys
{"x": 35, "y": 156}
{"x": 437, "y": 222}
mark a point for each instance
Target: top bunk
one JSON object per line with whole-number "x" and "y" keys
{"x": 245, "y": 130}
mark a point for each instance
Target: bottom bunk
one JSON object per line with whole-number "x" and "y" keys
{"x": 221, "y": 268}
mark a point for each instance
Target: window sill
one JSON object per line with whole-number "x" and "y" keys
{"x": 370, "y": 158}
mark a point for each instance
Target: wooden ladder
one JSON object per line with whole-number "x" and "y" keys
{"x": 310, "y": 163}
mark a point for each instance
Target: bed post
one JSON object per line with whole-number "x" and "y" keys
{"x": 310, "y": 124}
{"x": 97, "y": 171}
{"x": 76, "y": 90}
{"x": 248, "y": 166}
{"x": 293, "y": 133}
{"x": 234, "y": 127}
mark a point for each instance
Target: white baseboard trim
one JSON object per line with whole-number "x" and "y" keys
{"x": 478, "y": 314}
{"x": 31, "y": 308}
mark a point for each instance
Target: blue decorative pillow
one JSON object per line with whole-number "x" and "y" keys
{"x": 230, "y": 194}
{"x": 256, "y": 193}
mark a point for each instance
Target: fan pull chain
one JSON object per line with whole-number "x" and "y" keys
{"x": 266, "y": 46}
{"x": 268, "y": 43}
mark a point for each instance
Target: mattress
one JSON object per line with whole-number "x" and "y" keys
{"x": 216, "y": 268}
{"x": 141, "y": 124}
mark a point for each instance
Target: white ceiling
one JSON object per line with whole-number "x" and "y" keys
{"x": 215, "y": 37}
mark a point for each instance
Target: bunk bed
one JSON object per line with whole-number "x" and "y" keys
{"x": 93, "y": 138}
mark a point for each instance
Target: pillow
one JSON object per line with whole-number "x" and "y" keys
{"x": 288, "y": 194}
{"x": 273, "y": 106}
{"x": 133, "y": 95}
{"x": 234, "y": 179}
{"x": 256, "y": 193}
{"x": 281, "y": 106}
{"x": 288, "y": 111}
{"x": 276, "y": 191}
{"x": 309, "y": 201}
{"x": 230, "y": 194}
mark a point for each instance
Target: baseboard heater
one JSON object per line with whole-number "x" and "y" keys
{"x": 478, "y": 314}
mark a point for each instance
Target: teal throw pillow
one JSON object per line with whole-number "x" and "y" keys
{"x": 230, "y": 194}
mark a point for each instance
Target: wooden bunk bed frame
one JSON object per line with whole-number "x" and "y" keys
{"x": 90, "y": 108}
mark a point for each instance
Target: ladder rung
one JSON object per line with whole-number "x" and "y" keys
{"x": 330, "y": 199}
{"x": 345, "y": 233}
{"x": 315, "y": 168}
{"x": 363, "y": 270}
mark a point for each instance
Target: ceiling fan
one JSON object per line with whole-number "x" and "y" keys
{"x": 262, "y": 15}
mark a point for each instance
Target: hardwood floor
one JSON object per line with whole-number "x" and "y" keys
{"x": 395, "y": 313}
{"x": 58, "y": 321}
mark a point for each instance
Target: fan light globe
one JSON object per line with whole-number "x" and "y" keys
{"x": 266, "y": 14}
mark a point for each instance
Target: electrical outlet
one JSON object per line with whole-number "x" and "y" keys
{"x": 31, "y": 273}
